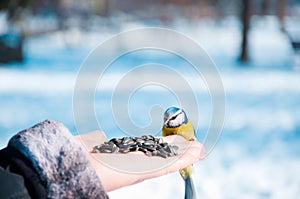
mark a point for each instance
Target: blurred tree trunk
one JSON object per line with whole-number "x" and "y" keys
{"x": 245, "y": 18}
{"x": 265, "y": 7}
{"x": 281, "y": 10}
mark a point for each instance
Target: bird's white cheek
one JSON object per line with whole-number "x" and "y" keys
{"x": 180, "y": 118}
{"x": 174, "y": 123}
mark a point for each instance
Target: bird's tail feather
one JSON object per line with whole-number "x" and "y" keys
{"x": 190, "y": 191}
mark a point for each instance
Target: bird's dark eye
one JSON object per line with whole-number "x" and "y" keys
{"x": 173, "y": 118}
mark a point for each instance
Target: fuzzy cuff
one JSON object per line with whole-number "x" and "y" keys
{"x": 59, "y": 160}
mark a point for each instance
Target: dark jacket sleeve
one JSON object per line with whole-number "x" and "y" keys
{"x": 12, "y": 186}
{"x": 60, "y": 162}
{"x": 20, "y": 176}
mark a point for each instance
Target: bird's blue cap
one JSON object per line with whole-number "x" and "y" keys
{"x": 171, "y": 111}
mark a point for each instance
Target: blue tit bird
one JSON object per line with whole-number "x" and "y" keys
{"x": 177, "y": 123}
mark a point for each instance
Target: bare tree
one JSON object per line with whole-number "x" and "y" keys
{"x": 245, "y": 17}
{"x": 281, "y": 10}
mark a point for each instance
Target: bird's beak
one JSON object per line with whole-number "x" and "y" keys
{"x": 166, "y": 122}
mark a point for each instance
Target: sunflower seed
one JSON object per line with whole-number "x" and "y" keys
{"x": 104, "y": 150}
{"x": 142, "y": 149}
{"x": 149, "y": 148}
{"x": 149, "y": 142}
{"x": 162, "y": 153}
{"x": 124, "y": 150}
{"x": 115, "y": 140}
{"x": 164, "y": 144}
{"x": 115, "y": 150}
{"x": 134, "y": 148}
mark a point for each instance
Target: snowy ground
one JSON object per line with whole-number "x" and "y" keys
{"x": 257, "y": 155}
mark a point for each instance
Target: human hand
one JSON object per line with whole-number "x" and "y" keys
{"x": 118, "y": 170}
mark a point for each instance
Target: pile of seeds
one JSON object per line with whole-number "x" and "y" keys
{"x": 148, "y": 144}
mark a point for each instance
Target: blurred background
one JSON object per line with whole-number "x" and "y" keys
{"x": 255, "y": 45}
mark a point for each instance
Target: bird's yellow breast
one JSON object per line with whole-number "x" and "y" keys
{"x": 185, "y": 130}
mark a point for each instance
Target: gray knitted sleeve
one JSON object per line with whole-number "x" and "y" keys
{"x": 60, "y": 161}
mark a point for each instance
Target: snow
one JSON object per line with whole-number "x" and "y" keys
{"x": 257, "y": 154}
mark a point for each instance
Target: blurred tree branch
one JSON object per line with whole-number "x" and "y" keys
{"x": 245, "y": 17}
